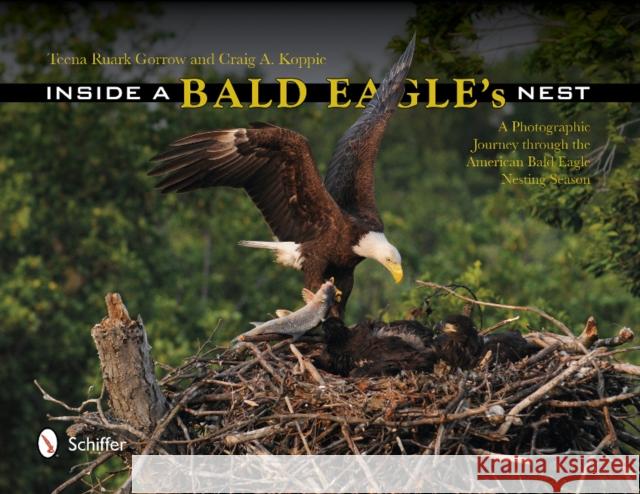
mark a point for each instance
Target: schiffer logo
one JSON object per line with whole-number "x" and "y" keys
{"x": 558, "y": 470}
{"x": 47, "y": 443}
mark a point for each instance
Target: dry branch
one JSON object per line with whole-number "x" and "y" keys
{"x": 523, "y": 308}
{"x": 306, "y": 365}
{"x": 624, "y": 335}
{"x": 594, "y": 403}
{"x": 498, "y": 325}
{"x": 588, "y": 339}
{"x": 235, "y": 439}
{"x": 630, "y": 369}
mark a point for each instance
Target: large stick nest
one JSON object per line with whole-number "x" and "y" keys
{"x": 573, "y": 396}
{"x": 272, "y": 400}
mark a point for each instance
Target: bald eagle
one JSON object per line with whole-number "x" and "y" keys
{"x": 324, "y": 230}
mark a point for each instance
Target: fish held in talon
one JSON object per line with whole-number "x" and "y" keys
{"x": 324, "y": 228}
{"x": 297, "y": 323}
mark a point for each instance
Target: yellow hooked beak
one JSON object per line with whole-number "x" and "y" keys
{"x": 395, "y": 269}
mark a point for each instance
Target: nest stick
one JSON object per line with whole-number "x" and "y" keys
{"x": 593, "y": 403}
{"x": 541, "y": 392}
{"x": 624, "y": 335}
{"x": 234, "y": 439}
{"x": 305, "y": 364}
{"x": 633, "y": 370}
{"x": 491, "y": 329}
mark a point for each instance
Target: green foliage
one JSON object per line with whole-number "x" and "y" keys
{"x": 598, "y": 42}
{"x": 78, "y": 220}
{"x": 591, "y": 42}
{"x": 615, "y": 218}
{"x": 434, "y": 24}
{"x": 599, "y": 45}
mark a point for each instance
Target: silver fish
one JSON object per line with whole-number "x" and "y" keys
{"x": 299, "y": 322}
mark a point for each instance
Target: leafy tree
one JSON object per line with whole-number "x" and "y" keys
{"x": 78, "y": 219}
{"x": 594, "y": 42}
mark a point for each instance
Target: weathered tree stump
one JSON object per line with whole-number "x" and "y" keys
{"x": 127, "y": 368}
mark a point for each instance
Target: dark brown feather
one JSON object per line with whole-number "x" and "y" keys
{"x": 509, "y": 346}
{"x": 350, "y": 176}
{"x": 274, "y": 165}
{"x": 367, "y": 350}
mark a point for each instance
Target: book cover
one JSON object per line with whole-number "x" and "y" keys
{"x": 360, "y": 229}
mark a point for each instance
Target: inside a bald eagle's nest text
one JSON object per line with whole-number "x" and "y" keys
{"x": 538, "y": 154}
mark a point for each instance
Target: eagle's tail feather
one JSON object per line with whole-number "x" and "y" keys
{"x": 286, "y": 253}
{"x": 255, "y": 244}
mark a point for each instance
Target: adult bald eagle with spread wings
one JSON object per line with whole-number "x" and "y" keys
{"x": 323, "y": 230}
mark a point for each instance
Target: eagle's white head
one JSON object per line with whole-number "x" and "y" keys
{"x": 374, "y": 245}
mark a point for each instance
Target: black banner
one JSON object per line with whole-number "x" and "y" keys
{"x": 436, "y": 94}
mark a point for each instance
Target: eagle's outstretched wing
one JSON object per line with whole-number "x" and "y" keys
{"x": 350, "y": 175}
{"x": 274, "y": 165}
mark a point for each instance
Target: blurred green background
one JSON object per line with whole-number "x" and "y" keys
{"x": 79, "y": 217}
